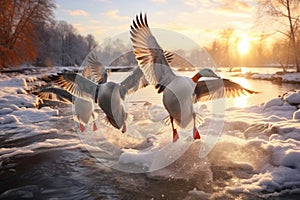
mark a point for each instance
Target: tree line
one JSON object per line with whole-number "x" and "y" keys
{"x": 285, "y": 48}
{"x": 224, "y": 51}
{"x": 29, "y": 34}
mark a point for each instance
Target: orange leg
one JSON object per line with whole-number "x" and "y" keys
{"x": 196, "y": 134}
{"x": 95, "y": 127}
{"x": 175, "y": 134}
{"x": 82, "y": 128}
{"x": 124, "y": 128}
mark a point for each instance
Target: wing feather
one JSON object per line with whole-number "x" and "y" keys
{"x": 169, "y": 56}
{"x": 219, "y": 88}
{"x": 94, "y": 70}
{"x": 148, "y": 53}
{"x": 54, "y": 94}
{"x": 133, "y": 82}
{"x": 76, "y": 84}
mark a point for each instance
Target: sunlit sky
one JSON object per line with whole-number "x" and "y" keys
{"x": 201, "y": 20}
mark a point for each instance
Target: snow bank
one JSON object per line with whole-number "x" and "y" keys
{"x": 20, "y": 120}
{"x": 285, "y": 78}
{"x": 262, "y": 76}
{"x": 258, "y": 154}
{"x": 291, "y": 77}
{"x": 272, "y": 148}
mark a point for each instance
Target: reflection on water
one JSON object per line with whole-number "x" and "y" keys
{"x": 244, "y": 70}
{"x": 243, "y": 82}
{"x": 242, "y": 101}
{"x": 267, "y": 89}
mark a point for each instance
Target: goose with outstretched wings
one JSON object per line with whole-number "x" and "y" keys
{"x": 179, "y": 92}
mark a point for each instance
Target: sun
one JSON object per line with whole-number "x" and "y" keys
{"x": 243, "y": 47}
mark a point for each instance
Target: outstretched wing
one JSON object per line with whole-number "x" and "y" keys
{"x": 94, "y": 70}
{"x": 149, "y": 54}
{"x": 133, "y": 82}
{"x": 54, "y": 94}
{"x": 219, "y": 88}
{"x": 169, "y": 56}
{"x": 76, "y": 84}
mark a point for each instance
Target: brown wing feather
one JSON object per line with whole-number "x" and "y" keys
{"x": 94, "y": 70}
{"x": 149, "y": 54}
{"x": 76, "y": 84}
{"x": 54, "y": 94}
{"x": 219, "y": 88}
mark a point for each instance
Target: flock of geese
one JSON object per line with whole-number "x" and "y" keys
{"x": 91, "y": 88}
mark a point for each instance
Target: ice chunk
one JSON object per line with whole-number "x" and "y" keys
{"x": 274, "y": 102}
{"x": 293, "y": 98}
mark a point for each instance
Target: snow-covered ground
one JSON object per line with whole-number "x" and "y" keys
{"x": 265, "y": 146}
{"x": 20, "y": 119}
{"x": 257, "y": 155}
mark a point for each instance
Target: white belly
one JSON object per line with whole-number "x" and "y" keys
{"x": 84, "y": 110}
{"x": 177, "y": 99}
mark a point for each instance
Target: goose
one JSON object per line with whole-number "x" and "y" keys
{"x": 109, "y": 96}
{"x": 84, "y": 110}
{"x": 179, "y": 92}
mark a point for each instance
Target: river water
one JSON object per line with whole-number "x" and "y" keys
{"x": 267, "y": 89}
{"x": 73, "y": 173}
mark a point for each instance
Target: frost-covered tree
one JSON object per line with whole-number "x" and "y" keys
{"x": 92, "y": 43}
{"x": 67, "y": 47}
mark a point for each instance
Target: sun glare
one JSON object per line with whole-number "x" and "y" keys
{"x": 242, "y": 101}
{"x": 244, "y": 70}
{"x": 243, "y": 47}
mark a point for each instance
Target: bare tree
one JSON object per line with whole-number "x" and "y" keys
{"x": 69, "y": 47}
{"x": 60, "y": 44}
{"x": 92, "y": 43}
{"x": 45, "y": 45}
{"x": 226, "y": 38}
{"x": 214, "y": 49}
{"x": 280, "y": 53}
{"x": 19, "y": 19}
{"x": 285, "y": 12}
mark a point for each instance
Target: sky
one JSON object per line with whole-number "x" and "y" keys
{"x": 200, "y": 20}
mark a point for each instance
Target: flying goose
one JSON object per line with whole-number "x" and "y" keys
{"x": 179, "y": 92}
{"x": 84, "y": 110}
{"x": 109, "y": 96}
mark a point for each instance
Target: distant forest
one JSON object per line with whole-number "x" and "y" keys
{"x": 30, "y": 34}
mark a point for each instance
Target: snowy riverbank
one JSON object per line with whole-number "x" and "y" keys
{"x": 257, "y": 155}
{"x": 278, "y": 77}
{"x": 21, "y": 120}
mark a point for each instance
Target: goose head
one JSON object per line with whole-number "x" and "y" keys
{"x": 206, "y": 72}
